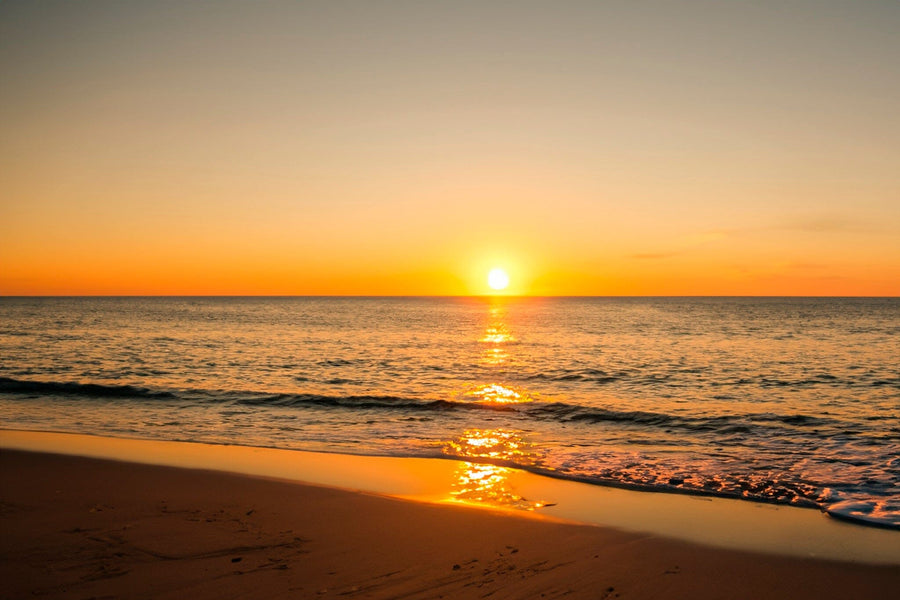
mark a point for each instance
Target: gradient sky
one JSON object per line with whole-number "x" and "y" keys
{"x": 597, "y": 148}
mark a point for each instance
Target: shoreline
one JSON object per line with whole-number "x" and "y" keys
{"x": 85, "y": 527}
{"x": 716, "y": 522}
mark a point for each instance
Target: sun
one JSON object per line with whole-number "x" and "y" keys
{"x": 498, "y": 279}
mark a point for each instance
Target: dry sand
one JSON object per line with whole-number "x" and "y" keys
{"x": 77, "y": 527}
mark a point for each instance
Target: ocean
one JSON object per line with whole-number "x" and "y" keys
{"x": 785, "y": 400}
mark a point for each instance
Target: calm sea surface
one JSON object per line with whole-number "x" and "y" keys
{"x": 784, "y": 400}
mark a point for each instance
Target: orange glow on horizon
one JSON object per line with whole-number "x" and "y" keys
{"x": 66, "y": 276}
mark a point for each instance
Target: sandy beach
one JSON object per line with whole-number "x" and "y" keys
{"x": 418, "y": 300}
{"x": 76, "y": 527}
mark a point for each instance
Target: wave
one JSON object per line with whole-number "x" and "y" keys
{"x": 542, "y": 411}
{"x": 360, "y": 401}
{"x": 874, "y": 513}
{"x": 720, "y": 423}
{"x": 96, "y": 390}
{"x": 585, "y": 375}
{"x": 244, "y": 398}
{"x": 637, "y": 377}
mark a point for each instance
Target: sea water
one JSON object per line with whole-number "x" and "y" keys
{"x": 786, "y": 400}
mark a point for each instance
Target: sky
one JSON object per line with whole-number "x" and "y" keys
{"x": 407, "y": 148}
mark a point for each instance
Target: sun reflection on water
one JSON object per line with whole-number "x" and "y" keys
{"x": 484, "y": 482}
{"x": 494, "y": 393}
{"x": 496, "y": 337}
{"x": 497, "y": 333}
{"x": 495, "y": 356}
{"x": 495, "y": 444}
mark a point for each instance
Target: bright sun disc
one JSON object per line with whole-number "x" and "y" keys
{"x": 498, "y": 279}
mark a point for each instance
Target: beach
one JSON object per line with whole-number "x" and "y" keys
{"x": 449, "y": 300}
{"x": 79, "y": 527}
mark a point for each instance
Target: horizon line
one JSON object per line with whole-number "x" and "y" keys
{"x": 439, "y": 296}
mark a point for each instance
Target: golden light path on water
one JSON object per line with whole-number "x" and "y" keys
{"x": 496, "y": 337}
{"x": 485, "y": 482}
{"x": 495, "y": 356}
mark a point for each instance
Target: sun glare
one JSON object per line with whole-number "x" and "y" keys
{"x": 498, "y": 279}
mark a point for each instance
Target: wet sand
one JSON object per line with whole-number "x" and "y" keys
{"x": 77, "y": 527}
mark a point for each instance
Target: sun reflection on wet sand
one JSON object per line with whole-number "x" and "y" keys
{"x": 490, "y": 484}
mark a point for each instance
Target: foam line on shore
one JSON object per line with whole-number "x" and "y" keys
{"x": 725, "y": 523}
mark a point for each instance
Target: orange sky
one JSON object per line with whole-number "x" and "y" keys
{"x": 407, "y": 148}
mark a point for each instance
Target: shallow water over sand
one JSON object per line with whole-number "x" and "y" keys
{"x": 784, "y": 400}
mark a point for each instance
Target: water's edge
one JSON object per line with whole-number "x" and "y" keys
{"x": 719, "y": 522}
{"x": 841, "y": 516}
